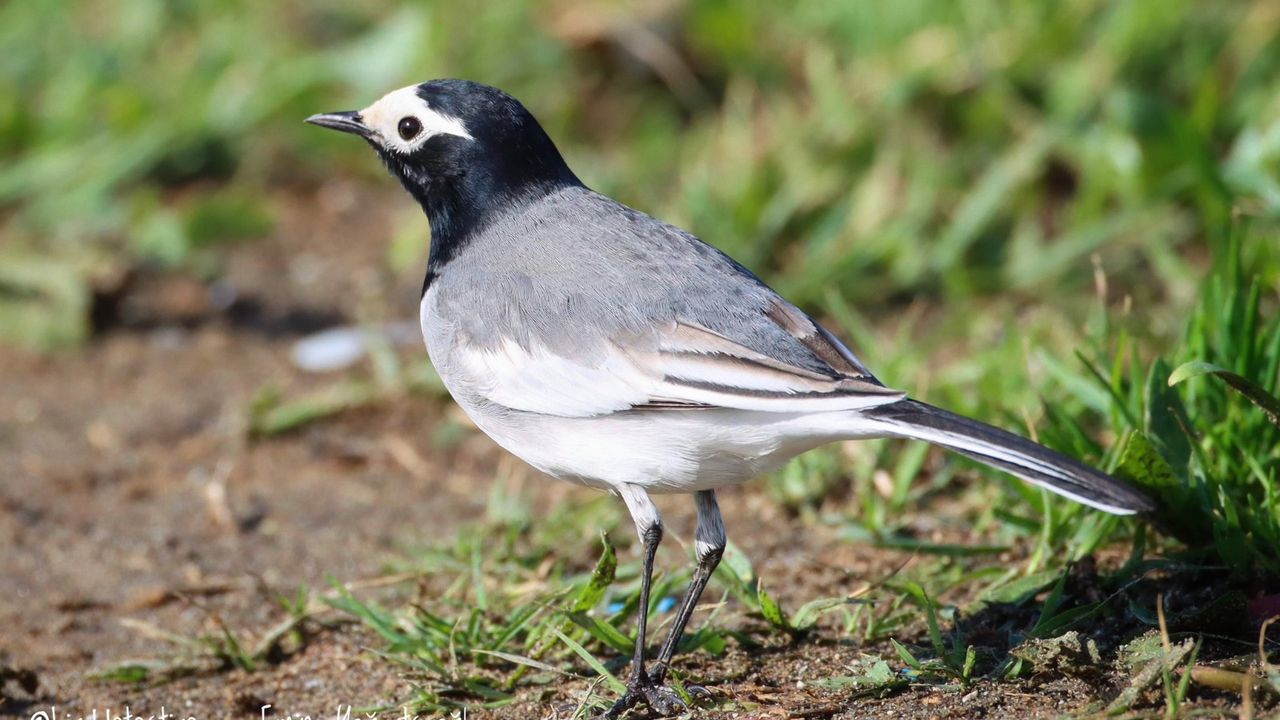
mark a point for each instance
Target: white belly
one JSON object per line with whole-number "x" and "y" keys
{"x": 664, "y": 451}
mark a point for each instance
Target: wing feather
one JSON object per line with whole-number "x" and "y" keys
{"x": 816, "y": 339}
{"x": 688, "y": 367}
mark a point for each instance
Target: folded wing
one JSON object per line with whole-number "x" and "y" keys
{"x": 679, "y": 366}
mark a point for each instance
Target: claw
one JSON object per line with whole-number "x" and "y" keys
{"x": 663, "y": 700}
{"x": 624, "y": 703}
{"x": 660, "y": 699}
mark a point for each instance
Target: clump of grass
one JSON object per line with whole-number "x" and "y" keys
{"x": 953, "y": 658}
{"x": 1191, "y": 436}
{"x": 224, "y": 649}
{"x": 518, "y": 609}
{"x": 478, "y": 641}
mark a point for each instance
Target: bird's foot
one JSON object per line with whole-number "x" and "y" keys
{"x": 660, "y": 699}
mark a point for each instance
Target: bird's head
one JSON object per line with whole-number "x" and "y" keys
{"x": 462, "y": 149}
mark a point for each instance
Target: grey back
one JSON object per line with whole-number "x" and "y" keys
{"x": 575, "y": 270}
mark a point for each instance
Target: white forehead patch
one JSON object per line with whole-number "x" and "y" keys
{"x": 384, "y": 117}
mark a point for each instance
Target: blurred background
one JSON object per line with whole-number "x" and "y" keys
{"x": 890, "y": 153}
{"x": 208, "y": 308}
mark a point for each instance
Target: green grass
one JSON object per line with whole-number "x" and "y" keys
{"x": 1200, "y": 445}
{"x": 522, "y": 608}
{"x": 1063, "y": 218}
{"x": 519, "y": 608}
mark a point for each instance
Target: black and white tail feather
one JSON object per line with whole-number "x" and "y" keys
{"x": 1015, "y": 455}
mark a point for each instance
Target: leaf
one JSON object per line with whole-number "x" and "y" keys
{"x": 44, "y": 303}
{"x": 770, "y": 610}
{"x": 603, "y": 631}
{"x": 522, "y": 660}
{"x": 125, "y": 673}
{"x": 933, "y": 548}
{"x": 1141, "y": 465}
{"x": 1267, "y": 402}
{"x": 737, "y": 575}
{"x": 931, "y": 616}
{"x": 1063, "y": 620}
{"x": 1051, "y": 604}
{"x": 870, "y": 675}
{"x": 160, "y": 236}
{"x": 713, "y": 641}
{"x": 614, "y": 683}
{"x": 738, "y": 564}
{"x": 970, "y": 659}
{"x": 382, "y": 622}
{"x": 232, "y": 651}
{"x": 1166, "y": 421}
{"x": 1144, "y": 648}
{"x": 601, "y": 578}
{"x": 1149, "y": 674}
{"x": 1022, "y": 589}
{"x": 808, "y": 614}
{"x": 269, "y": 415}
{"x": 906, "y": 655}
{"x": 878, "y": 673}
{"x": 482, "y": 688}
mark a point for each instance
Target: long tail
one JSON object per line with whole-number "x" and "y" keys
{"x": 1011, "y": 453}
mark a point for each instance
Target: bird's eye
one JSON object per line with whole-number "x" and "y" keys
{"x": 409, "y": 127}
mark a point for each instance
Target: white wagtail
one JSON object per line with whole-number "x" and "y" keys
{"x": 611, "y": 349}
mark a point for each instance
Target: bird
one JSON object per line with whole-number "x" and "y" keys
{"x": 608, "y": 348}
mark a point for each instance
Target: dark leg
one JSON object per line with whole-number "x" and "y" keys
{"x": 710, "y": 547}
{"x": 649, "y": 526}
{"x": 653, "y": 536}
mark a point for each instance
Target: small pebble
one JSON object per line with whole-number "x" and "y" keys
{"x": 329, "y": 350}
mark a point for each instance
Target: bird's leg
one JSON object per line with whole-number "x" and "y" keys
{"x": 640, "y": 687}
{"x": 710, "y": 547}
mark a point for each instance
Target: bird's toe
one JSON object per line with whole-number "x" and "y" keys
{"x": 663, "y": 700}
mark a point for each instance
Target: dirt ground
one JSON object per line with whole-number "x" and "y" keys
{"x": 131, "y": 507}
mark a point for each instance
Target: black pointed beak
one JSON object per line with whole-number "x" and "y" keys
{"x": 344, "y": 121}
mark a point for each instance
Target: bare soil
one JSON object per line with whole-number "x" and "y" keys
{"x": 131, "y": 507}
